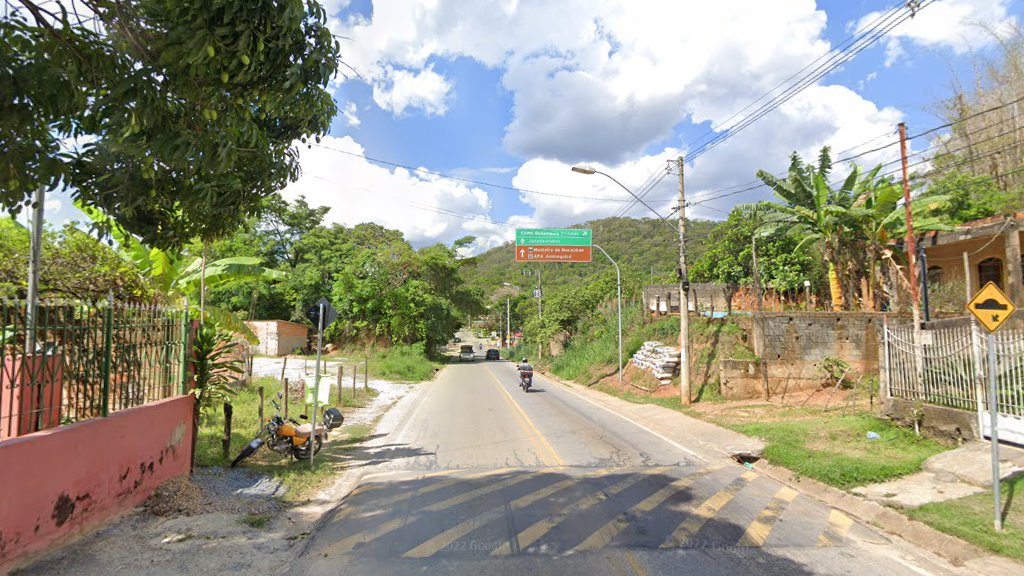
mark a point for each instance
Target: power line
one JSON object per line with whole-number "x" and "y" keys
{"x": 864, "y": 39}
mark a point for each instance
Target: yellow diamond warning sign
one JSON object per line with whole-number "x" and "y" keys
{"x": 991, "y": 307}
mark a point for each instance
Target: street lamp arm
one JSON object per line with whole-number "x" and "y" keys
{"x": 588, "y": 170}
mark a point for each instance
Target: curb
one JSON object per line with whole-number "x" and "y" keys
{"x": 958, "y": 552}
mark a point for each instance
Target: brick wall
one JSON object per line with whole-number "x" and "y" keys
{"x": 793, "y": 344}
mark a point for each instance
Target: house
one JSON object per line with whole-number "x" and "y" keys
{"x": 279, "y": 337}
{"x": 993, "y": 254}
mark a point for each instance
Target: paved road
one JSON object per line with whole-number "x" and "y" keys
{"x": 473, "y": 476}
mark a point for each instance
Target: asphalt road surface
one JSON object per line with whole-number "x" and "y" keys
{"x": 470, "y": 475}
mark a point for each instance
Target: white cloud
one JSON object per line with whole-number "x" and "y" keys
{"x": 590, "y": 79}
{"x": 350, "y": 113}
{"x": 358, "y": 191}
{"x": 959, "y": 25}
{"x": 400, "y": 89}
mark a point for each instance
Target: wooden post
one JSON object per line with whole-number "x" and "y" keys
{"x": 261, "y": 405}
{"x": 226, "y": 440}
{"x": 366, "y": 374}
{"x": 285, "y": 398}
{"x": 341, "y": 374}
{"x": 355, "y": 370}
{"x": 283, "y": 366}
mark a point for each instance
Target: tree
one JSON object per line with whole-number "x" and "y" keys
{"x": 816, "y": 213}
{"x": 967, "y": 197}
{"x": 729, "y": 258}
{"x": 181, "y": 115}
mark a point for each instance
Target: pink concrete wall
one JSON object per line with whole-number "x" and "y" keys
{"x": 55, "y": 483}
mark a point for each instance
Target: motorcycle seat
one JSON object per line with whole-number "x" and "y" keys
{"x": 306, "y": 430}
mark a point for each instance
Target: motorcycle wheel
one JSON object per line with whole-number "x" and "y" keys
{"x": 303, "y": 452}
{"x": 249, "y": 450}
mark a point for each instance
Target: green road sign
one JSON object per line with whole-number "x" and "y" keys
{"x": 553, "y": 237}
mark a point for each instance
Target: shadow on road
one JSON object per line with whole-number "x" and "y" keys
{"x": 464, "y": 522}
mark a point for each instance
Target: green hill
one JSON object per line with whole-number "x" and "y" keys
{"x": 639, "y": 245}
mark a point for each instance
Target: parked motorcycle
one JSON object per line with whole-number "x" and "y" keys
{"x": 526, "y": 379}
{"x": 289, "y": 437}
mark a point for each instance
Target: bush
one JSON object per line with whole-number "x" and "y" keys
{"x": 408, "y": 363}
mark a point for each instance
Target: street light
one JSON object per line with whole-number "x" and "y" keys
{"x": 508, "y": 315}
{"x": 684, "y": 284}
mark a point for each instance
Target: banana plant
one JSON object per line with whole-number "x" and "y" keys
{"x": 181, "y": 277}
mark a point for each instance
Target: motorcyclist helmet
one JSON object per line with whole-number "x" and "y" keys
{"x": 524, "y": 361}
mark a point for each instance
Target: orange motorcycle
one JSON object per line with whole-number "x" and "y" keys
{"x": 290, "y": 437}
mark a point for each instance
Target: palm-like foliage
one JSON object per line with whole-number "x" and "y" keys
{"x": 180, "y": 278}
{"x": 853, "y": 226}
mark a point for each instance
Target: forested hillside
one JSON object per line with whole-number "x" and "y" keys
{"x": 638, "y": 245}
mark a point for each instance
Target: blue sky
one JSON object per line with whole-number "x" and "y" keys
{"x": 514, "y": 92}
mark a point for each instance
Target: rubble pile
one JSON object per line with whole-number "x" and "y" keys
{"x": 660, "y": 360}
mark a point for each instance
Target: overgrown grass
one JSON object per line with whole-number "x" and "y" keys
{"x": 834, "y": 448}
{"x": 403, "y": 363}
{"x": 297, "y": 477}
{"x": 671, "y": 402}
{"x": 970, "y": 518}
{"x": 406, "y": 363}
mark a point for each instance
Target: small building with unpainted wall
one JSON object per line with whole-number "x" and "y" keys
{"x": 279, "y": 337}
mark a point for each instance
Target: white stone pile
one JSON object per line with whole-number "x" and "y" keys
{"x": 660, "y": 360}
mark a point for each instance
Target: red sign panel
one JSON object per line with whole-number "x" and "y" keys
{"x": 553, "y": 253}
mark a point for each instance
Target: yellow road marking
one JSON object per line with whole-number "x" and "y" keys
{"x": 634, "y": 563}
{"x": 538, "y": 438}
{"x": 706, "y": 511}
{"x": 605, "y": 534}
{"x": 440, "y": 541}
{"x": 761, "y": 527}
{"x": 379, "y": 504}
{"x": 347, "y": 544}
{"x": 838, "y": 524}
{"x": 541, "y": 527}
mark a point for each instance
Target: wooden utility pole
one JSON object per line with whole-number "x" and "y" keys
{"x": 911, "y": 252}
{"x": 684, "y": 297}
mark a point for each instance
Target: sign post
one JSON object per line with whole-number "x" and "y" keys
{"x": 992, "y": 308}
{"x": 322, "y": 314}
{"x": 553, "y": 245}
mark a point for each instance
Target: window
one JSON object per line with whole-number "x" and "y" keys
{"x": 990, "y": 270}
{"x": 934, "y": 274}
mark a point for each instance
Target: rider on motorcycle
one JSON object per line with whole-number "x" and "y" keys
{"x": 524, "y": 366}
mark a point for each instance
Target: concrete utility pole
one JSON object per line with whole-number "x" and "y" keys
{"x": 35, "y": 258}
{"x": 760, "y": 310}
{"x": 684, "y": 297}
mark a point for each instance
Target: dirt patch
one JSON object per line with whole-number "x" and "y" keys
{"x": 176, "y": 497}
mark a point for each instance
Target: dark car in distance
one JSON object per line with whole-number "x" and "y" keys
{"x": 492, "y": 354}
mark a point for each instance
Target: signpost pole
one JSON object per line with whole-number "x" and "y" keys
{"x": 993, "y": 410}
{"x": 618, "y": 306}
{"x": 316, "y": 381}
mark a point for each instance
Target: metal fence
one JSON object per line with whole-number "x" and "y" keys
{"x": 78, "y": 360}
{"x": 949, "y": 367}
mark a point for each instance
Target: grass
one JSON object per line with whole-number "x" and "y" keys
{"x": 970, "y": 518}
{"x": 402, "y": 363}
{"x": 671, "y": 402}
{"x": 297, "y": 477}
{"x": 833, "y": 448}
{"x": 255, "y": 520}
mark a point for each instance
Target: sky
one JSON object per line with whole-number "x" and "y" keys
{"x": 464, "y": 117}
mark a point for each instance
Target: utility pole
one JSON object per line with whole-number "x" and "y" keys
{"x": 684, "y": 297}
{"x": 760, "y": 309}
{"x": 911, "y": 251}
{"x": 36, "y": 251}
{"x": 912, "y": 264}
{"x": 508, "y": 322}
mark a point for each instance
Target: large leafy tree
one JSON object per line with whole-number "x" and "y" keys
{"x": 729, "y": 258}
{"x": 175, "y": 117}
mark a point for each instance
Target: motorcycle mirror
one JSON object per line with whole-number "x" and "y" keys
{"x": 280, "y": 395}
{"x": 303, "y": 416}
